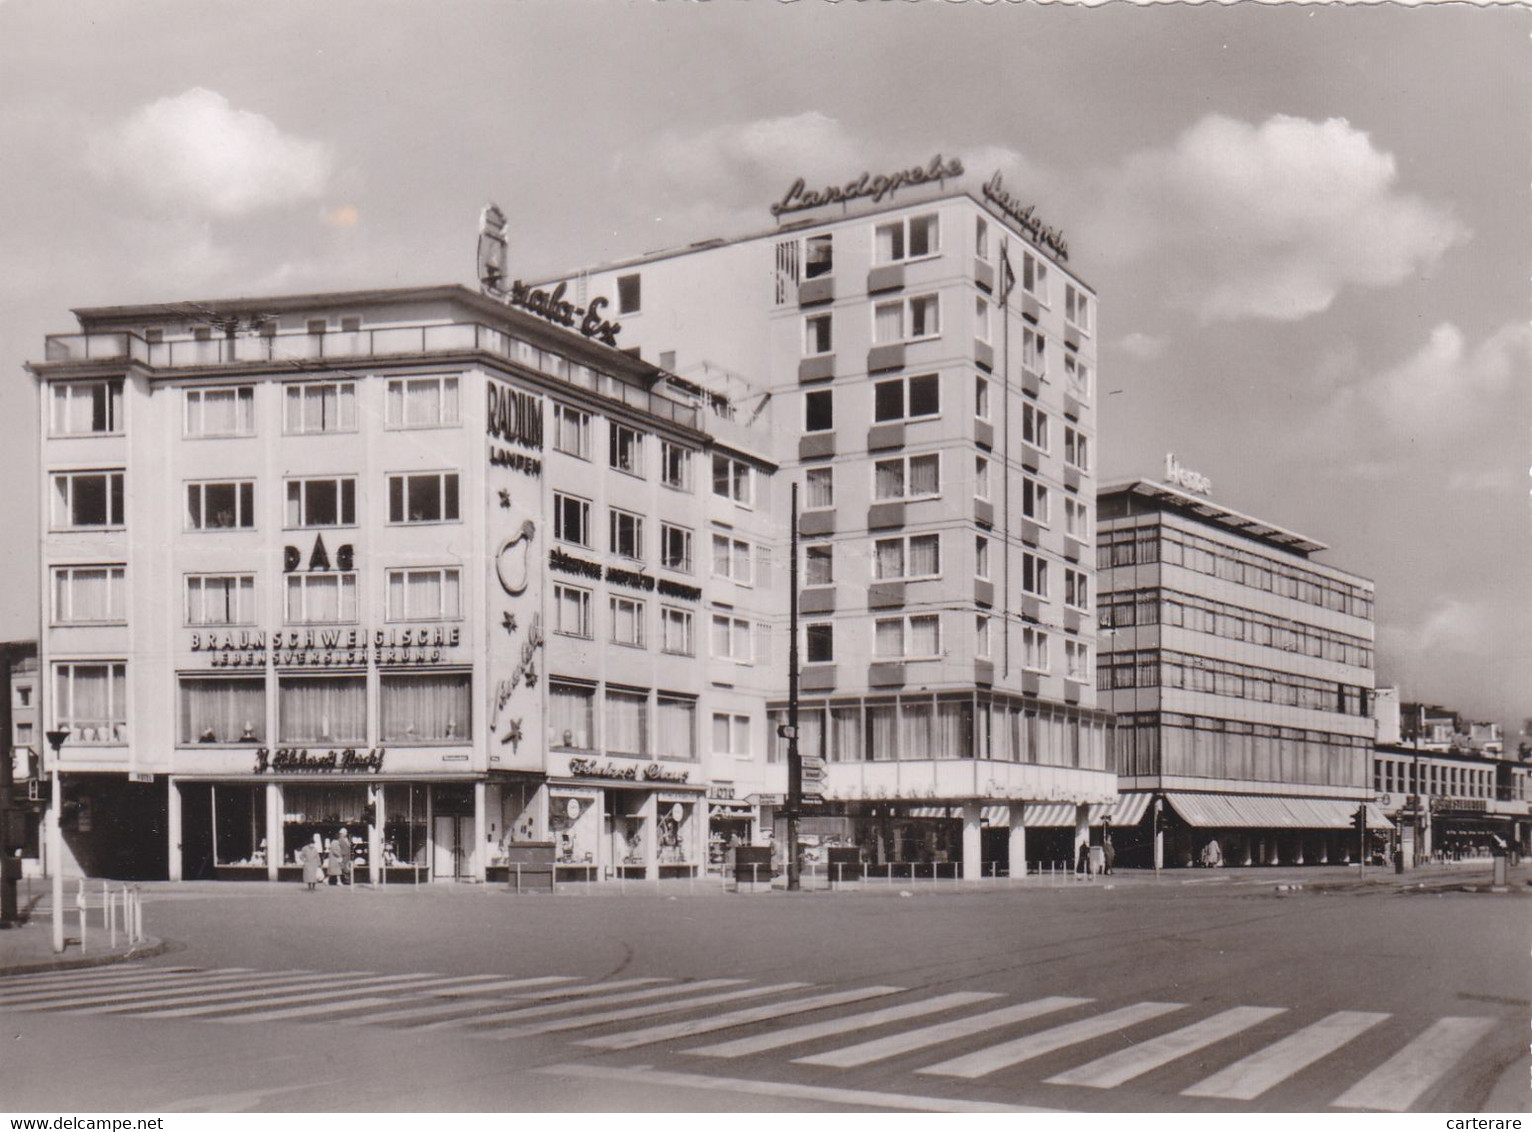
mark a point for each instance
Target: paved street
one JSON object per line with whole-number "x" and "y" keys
{"x": 1201, "y": 993}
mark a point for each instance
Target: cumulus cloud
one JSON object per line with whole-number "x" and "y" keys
{"x": 196, "y": 151}
{"x": 1269, "y": 221}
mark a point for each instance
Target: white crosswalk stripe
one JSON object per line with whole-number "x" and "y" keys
{"x": 108, "y": 1004}
{"x": 114, "y": 1001}
{"x": 812, "y": 1031}
{"x": 124, "y": 987}
{"x": 897, "y": 1044}
{"x": 89, "y": 977}
{"x": 524, "y": 1013}
{"x": 647, "y": 1010}
{"x": 1263, "y": 1070}
{"x": 508, "y": 984}
{"x": 1399, "y": 1082}
{"x": 593, "y": 989}
{"x": 291, "y": 1012}
{"x": 1112, "y": 1070}
{"x": 983, "y": 1062}
{"x": 685, "y": 1029}
{"x": 358, "y": 987}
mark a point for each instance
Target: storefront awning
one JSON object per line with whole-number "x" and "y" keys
{"x": 1129, "y": 809}
{"x": 1236, "y": 811}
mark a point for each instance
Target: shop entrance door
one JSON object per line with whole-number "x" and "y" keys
{"x": 196, "y": 830}
{"x": 449, "y": 846}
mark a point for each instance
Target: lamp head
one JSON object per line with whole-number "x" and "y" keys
{"x": 56, "y": 739}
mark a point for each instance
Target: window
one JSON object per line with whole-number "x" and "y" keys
{"x": 981, "y": 637}
{"x": 732, "y": 479}
{"x": 816, "y": 335}
{"x": 1076, "y": 520}
{"x": 87, "y": 499}
{"x": 1034, "y": 427}
{"x": 422, "y": 402}
{"x": 981, "y": 556}
{"x": 1077, "y": 660}
{"x": 731, "y": 559}
{"x": 430, "y": 594}
{"x": 676, "y": 634}
{"x": 909, "y": 237}
{"x": 907, "y": 477}
{"x": 1034, "y": 500}
{"x": 981, "y": 237}
{"x": 1077, "y": 307}
{"x": 89, "y": 595}
{"x": 677, "y": 726}
{"x": 818, "y": 257}
{"x": 675, "y": 466}
{"x": 571, "y": 715}
{"x": 981, "y": 477}
{"x": 427, "y": 498}
{"x": 981, "y": 318}
{"x": 228, "y": 410}
{"x": 627, "y": 722}
{"x": 571, "y": 519}
{"x": 1034, "y": 575}
{"x": 321, "y": 503}
{"x": 1034, "y": 650}
{"x": 629, "y": 294}
{"x": 981, "y": 396}
{"x": 1034, "y": 276}
{"x": 90, "y": 701}
{"x": 731, "y": 735}
{"x": 221, "y": 505}
{"x": 819, "y": 642}
{"x": 910, "y": 556}
{"x": 426, "y": 707}
{"x": 1076, "y": 449}
{"x": 818, "y": 488}
{"x": 731, "y": 638}
{"x": 84, "y": 408}
{"x": 626, "y": 533}
{"x": 907, "y": 638}
{"x": 627, "y": 622}
{"x": 319, "y": 406}
{"x": 321, "y": 599}
{"x": 1077, "y": 373}
{"x": 220, "y": 599}
{"x": 675, "y": 548}
{"x": 906, "y": 320}
{"x": 818, "y": 564}
{"x": 1076, "y": 589}
{"x": 819, "y": 411}
{"x": 571, "y": 611}
{"x": 625, "y": 449}
{"x": 222, "y": 710}
{"x": 906, "y": 397}
{"x": 571, "y": 431}
{"x": 325, "y": 710}
{"x": 1034, "y": 351}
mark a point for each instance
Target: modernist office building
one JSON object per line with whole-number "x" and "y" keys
{"x": 930, "y": 356}
{"x": 409, "y": 562}
{"x": 1241, "y": 673}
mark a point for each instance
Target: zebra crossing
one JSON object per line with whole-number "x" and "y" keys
{"x": 1240, "y": 1053}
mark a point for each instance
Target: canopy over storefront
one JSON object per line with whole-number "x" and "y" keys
{"x": 1232, "y": 811}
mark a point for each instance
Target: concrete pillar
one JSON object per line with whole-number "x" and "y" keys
{"x": 274, "y": 846}
{"x": 375, "y": 835}
{"x": 477, "y": 855}
{"x": 973, "y": 841}
{"x": 172, "y": 830}
{"x": 651, "y": 827}
{"x": 1018, "y": 846}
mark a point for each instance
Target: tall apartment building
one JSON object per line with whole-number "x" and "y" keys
{"x": 410, "y": 562}
{"x": 930, "y": 357}
{"x": 1241, "y": 673}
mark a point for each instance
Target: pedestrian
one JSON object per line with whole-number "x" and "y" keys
{"x": 1212, "y": 856}
{"x": 309, "y": 857}
{"x": 346, "y": 853}
{"x": 1082, "y": 862}
{"x": 332, "y": 865}
{"x": 1108, "y": 854}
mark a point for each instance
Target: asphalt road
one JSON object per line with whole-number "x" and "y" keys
{"x": 1222, "y": 995}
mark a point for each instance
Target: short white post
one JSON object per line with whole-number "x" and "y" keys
{"x": 138, "y": 915}
{"x": 79, "y": 900}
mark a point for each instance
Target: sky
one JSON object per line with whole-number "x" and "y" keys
{"x": 1308, "y": 226}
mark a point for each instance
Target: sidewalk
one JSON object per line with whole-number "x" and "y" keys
{"x": 28, "y": 946}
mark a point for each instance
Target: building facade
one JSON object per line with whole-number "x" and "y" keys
{"x": 1241, "y": 673}
{"x": 930, "y": 357}
{"x": 413, "y": 563}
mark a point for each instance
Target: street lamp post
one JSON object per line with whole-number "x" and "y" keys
{"x": 56, "y": 838}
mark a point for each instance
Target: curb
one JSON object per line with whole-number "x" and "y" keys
{"x": 150, "y": 948}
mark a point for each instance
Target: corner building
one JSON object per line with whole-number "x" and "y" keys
{"x": 408, "y": 562}
{"x": 1241, "y": 673}
{"x": 927, "y": 366}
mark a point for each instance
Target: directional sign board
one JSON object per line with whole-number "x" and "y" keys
{"x": 813, "y": 779}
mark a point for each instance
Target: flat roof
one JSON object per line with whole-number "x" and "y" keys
{"x": 1204, "y": 508}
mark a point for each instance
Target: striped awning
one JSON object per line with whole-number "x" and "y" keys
{"x": 1127, "y": 810}
{"x": 1237, "y": 811}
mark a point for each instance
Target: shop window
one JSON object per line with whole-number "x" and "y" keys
{"x": 322, "y": 710}
{"x": 217, "y": 709}
{"x": 312, "y": 407}
{"x": 85, "y": 500}
{"x": 432, "y": 594}
{"x": 627, "y": 621}
{"x": 910, "y": 237}
{"x": 675, "y": 466}
{"x": 629, "y": 294}
{"x": 85, "y": 408}
{"x": 239, "y": 826}
{"x": 906, "y": 398}
{"x": 428, "y": 498}
{"x": 573, "y": 824}
{"x": 571, "y": 431}
{"x": 674, "y": 840}
{"x": 90, "y": 701}
{"x": 326, "y": 812}
{"x": 818, "y": 488}
{"x": 328, "y": 502}
{"x": 426, "y": 707}
{"x": 571, "y": 715}
{"x": 422, "y": 402}
{"x": 678, "y": 635}
{"x": 89, "y": 595}
{"x": 907, "y": 477}
{"x": 571, "y": 611}
{"x": 220, "y": 599}
{"x": 321, "y": 599}
{"x": 626, "y": 449}
{"x": 571, "y": 519}
{"x": 819, "y": 411}
{"x": 220, "y": 505}
{"x": 677, "y": 720}
{"x": 225, "y": 410}
{"x": 675, "y": 548}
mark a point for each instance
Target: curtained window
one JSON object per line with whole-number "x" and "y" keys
{"x": 627, "y": 722}
{"x": 89, "y": 594}
{"x": 882, "y": 732}
{"x": 90, "y": 700}
{"x": 225, "y": 411}
{"x": 846, "y": 734}
{"x": 320, "y": 407}
{"x": 954, "y": 729}
{"x": 424, "y": 595}
{"x": 915, "y": 730}
{"x": 322, "y": 709}
{"x": 677, "y": 718}
{"x": 571, "y": 715}
{"x": 427, "y": 707}
{"x": 222, "y": 710}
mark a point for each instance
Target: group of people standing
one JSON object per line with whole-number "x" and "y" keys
{"x": 329, "y": 862}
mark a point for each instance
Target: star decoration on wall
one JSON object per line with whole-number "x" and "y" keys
{"x": 513, "y": 735}
{"x": 508, "y": 622}
{"x": 505, "y": 499}
{"x": 531, "y": 676}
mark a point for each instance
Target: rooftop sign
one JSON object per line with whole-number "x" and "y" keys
{"x": 799, "y": 197}
{"x": 492, "y": 271}
{"x": 1185, "y": 477}
{"x": 995, "y": 193}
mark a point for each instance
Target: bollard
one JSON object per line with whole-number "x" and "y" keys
{"x": 840, "y": 874}
{"x": 518, "y": 877}
{"x": 80, "y": 904}
{"x": 109, "y": 914}
{"x": 138, "y": 915}
{"x": 755, "y": 876}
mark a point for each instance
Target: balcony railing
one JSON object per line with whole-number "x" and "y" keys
{"x": 298, "y": 348}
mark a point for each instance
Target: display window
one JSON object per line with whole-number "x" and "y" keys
{"x": 573, "y": 822}
{"x": 323, "y": 811}
{"x": 404, "y": 826}
{"x": 239, "y": 826}
{"x": 674, "y": 832}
